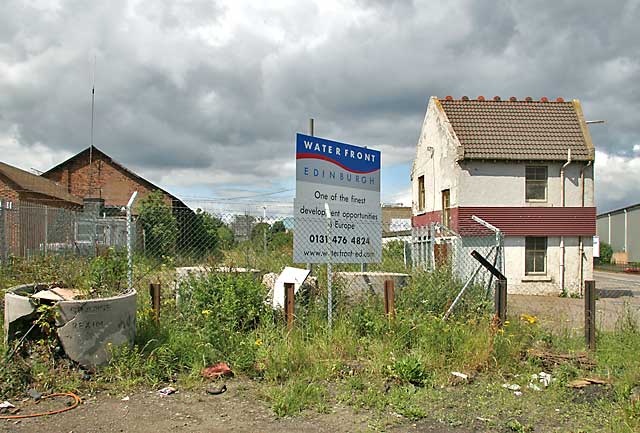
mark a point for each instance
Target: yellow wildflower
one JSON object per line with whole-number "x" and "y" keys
{"x": 258, "y": 342}
{"x": 527, "y": 318}
{"x": 206, "y": 312}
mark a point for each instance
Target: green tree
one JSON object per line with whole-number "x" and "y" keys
{"x": 277, "y": 227}
{"x": 159, "y": 224}
{"x": 226, "y": 237}
{"x": 606, "y": 252}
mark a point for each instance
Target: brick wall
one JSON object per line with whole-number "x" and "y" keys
{"x": 9, "y": 221}
{"x": 7, "y": 191}
{"x": 101, "y": 179}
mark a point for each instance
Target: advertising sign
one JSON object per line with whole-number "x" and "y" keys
{"x": 345, "y": 178}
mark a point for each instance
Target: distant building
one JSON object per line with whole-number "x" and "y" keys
{"x": 396, "y": 221}
{"x": 94, "y": 174}
{"x": 620, "y": 228}
{"x": 525, "y": 167}
{"x": 33, "y": 212}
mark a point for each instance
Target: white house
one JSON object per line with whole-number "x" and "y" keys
{"x": 524, "y": 166}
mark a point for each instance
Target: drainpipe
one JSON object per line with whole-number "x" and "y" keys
{"x": 584, "y": 167}
{"x": 562, "y": 199}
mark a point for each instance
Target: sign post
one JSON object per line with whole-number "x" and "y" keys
{"x": 347, "y": 179}
{"x": 337, "y": 206}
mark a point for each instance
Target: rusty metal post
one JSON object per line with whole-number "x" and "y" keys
{"x": 590, "y": 314}
{"x": 501, "y": 300}
{"x": 389, "y": 299}
{"x": 154, "y": 293}
{"x": 289, "y": 304}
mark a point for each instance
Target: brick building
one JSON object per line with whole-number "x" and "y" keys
{"x": 94, "y": 174}
{"x": 34, "y": 212}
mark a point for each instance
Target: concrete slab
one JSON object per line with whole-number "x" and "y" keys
{"x": 358, "y": 284}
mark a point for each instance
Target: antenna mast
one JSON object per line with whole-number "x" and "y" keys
{"x": 93, "y": 94}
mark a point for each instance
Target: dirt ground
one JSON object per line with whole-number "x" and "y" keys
{"x": 239, "y": 409}
{"x": 194, "y": 411}
{"x": 567, "y": 314}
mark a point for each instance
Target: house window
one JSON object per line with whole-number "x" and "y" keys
{"x": 535, "y": 255}
{"x": 421, "y": 194}
{"x": 446, "y": 211}
{"x": 536, "y": 183}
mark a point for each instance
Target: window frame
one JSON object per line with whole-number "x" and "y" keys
{"x": 446, "y": 210}
{"x": 535, "y": 251}
{"x": 422, "y": 194}
{"x": 536, "y": 181}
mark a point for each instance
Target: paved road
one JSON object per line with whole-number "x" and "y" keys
{"x": 617, "y": 281}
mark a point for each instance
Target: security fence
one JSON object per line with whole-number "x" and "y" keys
{"x": 33, "y": 229}
{"x": 169, "y": 242}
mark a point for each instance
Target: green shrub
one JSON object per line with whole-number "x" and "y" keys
{"x": 159, "y": 224}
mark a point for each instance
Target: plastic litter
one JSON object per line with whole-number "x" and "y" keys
{"x": 221, "y": 369}
{"x": 167, "y": 390}
{"x": 34, "y": 394}
{"x": 460, "y": 375}
{"x": 217, "y": 390}
{"x": 511, "y": 386}
{"x": 4, "y": 407}
{"x": 125, "y": 398}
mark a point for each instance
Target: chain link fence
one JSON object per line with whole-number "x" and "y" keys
{"x": 169, "y": 243}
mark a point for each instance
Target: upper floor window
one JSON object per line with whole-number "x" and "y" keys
{"x": 421, "y": 193}
{"x": 446, "y": 208}
{"x": 536, "y": 183}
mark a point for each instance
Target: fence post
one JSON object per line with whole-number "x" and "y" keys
{"x": 130, "y": 241}
{"x": 289, "y": 304}
{"x": 46, "y": 229}
{"x": 3, "y": 237}
{"x": 590, "y": 314}
{"x": 501, "y": 300}
{"x": 154, "y": 293}
{"x": 389, "y": 299}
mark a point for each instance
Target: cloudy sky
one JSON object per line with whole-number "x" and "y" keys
{"x": 205, "y": 97}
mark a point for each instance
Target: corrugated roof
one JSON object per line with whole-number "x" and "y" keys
{"x": 28, "y": 182}
{"x": 519, "y": 130}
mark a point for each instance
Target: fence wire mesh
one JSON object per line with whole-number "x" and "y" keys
{"x": 168, "y": 243}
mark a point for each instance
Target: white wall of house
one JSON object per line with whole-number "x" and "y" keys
{"x": 438, "y": 166}
{"x": 484, "y": 183}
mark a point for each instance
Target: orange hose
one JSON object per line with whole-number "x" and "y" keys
{"x": 75, "y": 404}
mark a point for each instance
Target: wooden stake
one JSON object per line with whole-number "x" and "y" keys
{"x": 289, "y": 304}
{"x": 501, "y": 300}
{"x": 154, "y": 292}
{"x": 590, "y": 314}
{"x": 389, "y": 299}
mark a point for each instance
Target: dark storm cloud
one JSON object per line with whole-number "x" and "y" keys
{"x": 178, "y": 88}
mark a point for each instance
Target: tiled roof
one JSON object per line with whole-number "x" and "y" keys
{"x": 519, "y": 130}
{"x": 27, "y": 182}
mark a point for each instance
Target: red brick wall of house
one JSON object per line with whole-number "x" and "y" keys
{"x": 7, "y": 191}
{"x": 10, "y": 223}
{"x": 100, "y": 180}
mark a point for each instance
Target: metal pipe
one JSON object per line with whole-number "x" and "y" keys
{"x": 562, "y": 196}
{"x": 584, "y": 167}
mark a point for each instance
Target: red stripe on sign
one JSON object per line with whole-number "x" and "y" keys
{"x": 326, "y": 158}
